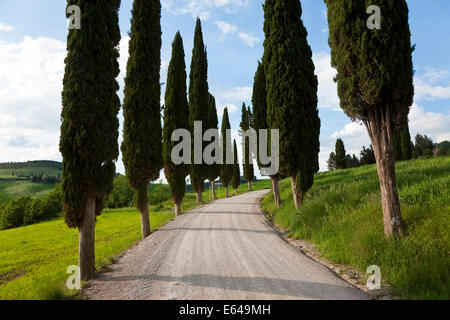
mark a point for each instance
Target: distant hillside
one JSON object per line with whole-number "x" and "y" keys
{"x": 32, "y": 178}
{"x": 32, "y": 164}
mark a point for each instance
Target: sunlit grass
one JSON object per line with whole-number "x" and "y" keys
{"x": 34, "y": 259}
{"x": 343, "y": 216}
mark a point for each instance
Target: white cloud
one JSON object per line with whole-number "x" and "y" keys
{"x": 5, "y": 27}
{"x": 31, "y": 73}
{"x": 424, "y": 88}
{"x": 225, "y": 27}
{"x": 434, "y": 125}
{"x": 236, "y": 94}
{"x": 248, "y": 39}
{"x": 201, "y": 8}
{"x": 327, "y": 94}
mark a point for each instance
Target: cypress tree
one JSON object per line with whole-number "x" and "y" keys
{"x": 198, "y": 103}
{"x": 226, "y": 170}
{"x": 259, "y": 101}
{"x": 213, "y": 122}
{"x": 236, "y": 179}
{"x": 176, "y": 116}
{"x": 340, "y": 154}
{"x": 375, "y": 83}
{"x": 246, "y": 119}
{"x": 406, "y": 143}
{"x": 291, "y": 93}
{"x": 142, "y": 133}
{"x": 90, "y": 127}
{"x": 397, "y": 145}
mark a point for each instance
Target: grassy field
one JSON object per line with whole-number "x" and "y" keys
{"x": 34, "y": 259}
{"x": 13, "y": 188}
{"x": 343, "y": 217}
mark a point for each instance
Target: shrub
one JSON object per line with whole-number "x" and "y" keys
{"x": 159, "y": 194}
{"x": 33, "y": 212}
{"x": 13, "y": 213}
{"x": 122, "y": 195}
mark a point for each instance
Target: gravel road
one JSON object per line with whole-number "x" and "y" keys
{"x": 224, "y": 250}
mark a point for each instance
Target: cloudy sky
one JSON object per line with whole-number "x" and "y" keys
{"x": 32, "y": 51}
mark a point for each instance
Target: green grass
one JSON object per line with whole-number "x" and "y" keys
{"x": 10, "y": 189}
{"x": 34, "y": 259}
{"x": 343, "y": 217}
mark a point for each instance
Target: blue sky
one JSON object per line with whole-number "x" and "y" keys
{"x": 32, "y": 50}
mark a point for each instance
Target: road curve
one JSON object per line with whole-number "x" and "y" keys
{"x": 225, "y": 251}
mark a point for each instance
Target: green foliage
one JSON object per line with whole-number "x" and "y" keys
{"x": 445, "y": 145}
{"x": 226, "y": 170}
{"x": 213, "y": 122}
{"x": 340, "y": 154}
{"x": 375, "y": 70}
{"x": 198, "y": 100}
{"x": 13, "y": 213}
{"x": 291, "y": 90}
{"x": 367, "y": 156}
{"x": 122, "y": 196}
{"x": 341, "y": 215}
{"x": 236, "y": 179}
{"x": 259, "y": 101}
{"x": 142, "y": 146}
{"x": 176, "y": 116}
{"x": 90, "y": 127}
{"x": 160, "y": 194}
{"x": 331, "y": 162}
{"x": 424, "y": 146}
{"x": 246, "y": 124}
{"x": 26, "y": 210}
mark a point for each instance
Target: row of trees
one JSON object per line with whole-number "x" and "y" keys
{"x": 285, "y": 97}
{"x": 89, "y": 130}
{"x": 37, "y": 177}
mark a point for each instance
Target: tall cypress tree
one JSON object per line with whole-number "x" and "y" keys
{"x": 246, "y": 119}
{"x": 259, "y": 101}
{"x": 340, "y": 154}
{"x": 213, "y": 122}
{"x": 406, "y": 142}
{"x": 142, "y": 133}
{"x": 375, "y": 82}
{"x": 291, "y": 93}
{"x": 236, "y": 179}
{"x": 90, "y": 127}
{"x": 198, "y": 103}
{"x": 226, "y": 170}
{"x": 176, "y": 116}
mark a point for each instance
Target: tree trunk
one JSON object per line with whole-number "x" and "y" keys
{"x": 226, "y": 192}
{"x": 298, "y": 198}
{"x": 177, "y": 209}
{"x": 276, "y": 191}
{"x": 145, "y": 221}
{"x": 199, "y": 196}
{"x": 213, "y": 190}
{"x": 249, "y": 186}
{"x": 379, "y": 127}
{"x": 86, "y": 230}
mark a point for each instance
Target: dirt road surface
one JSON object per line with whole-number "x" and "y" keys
{"x": 224, "y": 250}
